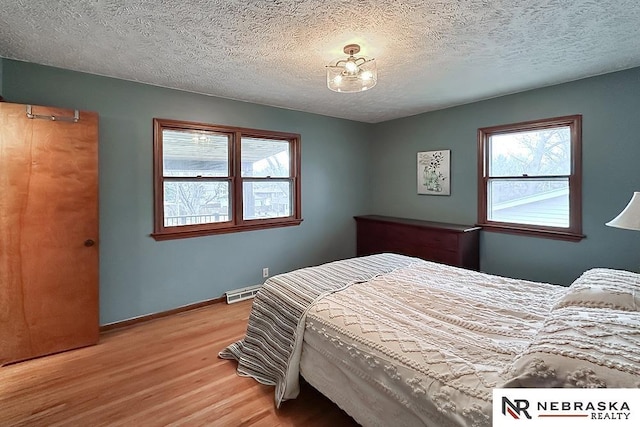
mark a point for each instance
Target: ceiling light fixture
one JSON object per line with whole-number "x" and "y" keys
{"x": 353, "y": 74}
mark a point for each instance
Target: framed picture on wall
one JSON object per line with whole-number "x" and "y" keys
{"x": 434, "y": 172}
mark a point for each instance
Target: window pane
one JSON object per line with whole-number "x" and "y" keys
{"x": 529, "y": 201}
{"x": 193, "y": 153}
{"x": 187, "y": 203}
{"x": 266, "y": 199}
{"x": 265, "y": 157}
{"x": 534, "y": 153}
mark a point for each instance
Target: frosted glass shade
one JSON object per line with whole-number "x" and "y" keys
{"x": 629, "y": 218}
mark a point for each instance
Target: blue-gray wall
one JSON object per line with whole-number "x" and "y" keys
{"x": 139, "y": 275}
{"x": 610, "y": 105}
{"x": 348, "y": 168}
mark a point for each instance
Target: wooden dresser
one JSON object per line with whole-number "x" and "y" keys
{"x": 452, "y": 244}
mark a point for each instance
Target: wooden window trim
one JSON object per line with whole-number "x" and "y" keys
{"x": 236, "y": 223}
{"x": 574, "y": 231}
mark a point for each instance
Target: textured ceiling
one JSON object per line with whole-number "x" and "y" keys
{"x": 431, "y": 54}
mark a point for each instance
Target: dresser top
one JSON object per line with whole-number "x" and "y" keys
{"x": 418, "y": 223}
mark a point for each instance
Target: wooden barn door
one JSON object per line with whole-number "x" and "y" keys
{"x": 48, "y": 231}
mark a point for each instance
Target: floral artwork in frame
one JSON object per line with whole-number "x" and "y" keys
{"x": 434, "y": 172}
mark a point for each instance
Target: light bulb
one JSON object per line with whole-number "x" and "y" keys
{"x": 351, "y": 67}
{"x": 337, "y": 79}
{"x": 367, "y": 75}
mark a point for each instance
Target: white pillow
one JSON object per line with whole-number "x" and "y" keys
{"x": 604, "y": 288}
{"x": 581, "y": 347}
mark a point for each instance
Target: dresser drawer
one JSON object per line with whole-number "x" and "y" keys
{"x": 446, "y": 243}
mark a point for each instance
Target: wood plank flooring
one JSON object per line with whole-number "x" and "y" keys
{"x": 161, "y": 373}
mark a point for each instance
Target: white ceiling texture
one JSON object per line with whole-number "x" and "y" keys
{"x": 431, "y": 54}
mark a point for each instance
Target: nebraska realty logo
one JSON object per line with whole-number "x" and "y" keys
{"x": 572, "y": 407}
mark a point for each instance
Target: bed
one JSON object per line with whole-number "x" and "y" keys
{"x": 395, "y": 340}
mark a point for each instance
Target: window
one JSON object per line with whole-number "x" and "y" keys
{"x": 530, "y": 178}
{"x": 212, "y": 179}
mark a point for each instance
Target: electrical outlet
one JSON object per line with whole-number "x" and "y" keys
{"x": 265, "y": 272}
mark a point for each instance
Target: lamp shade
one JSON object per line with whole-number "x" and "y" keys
{"x": 629, "y": 218}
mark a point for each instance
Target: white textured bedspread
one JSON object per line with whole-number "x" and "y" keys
{"x": 435, "y": 338}
{"x": 270, "y": 351}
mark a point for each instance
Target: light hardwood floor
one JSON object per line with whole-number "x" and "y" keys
{"x": 163, "y": 372}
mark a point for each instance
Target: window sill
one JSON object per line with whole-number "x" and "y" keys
{"x": 185, "y": 233}
{"x": 533, "y": 231}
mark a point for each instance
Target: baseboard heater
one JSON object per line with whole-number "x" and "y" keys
{"x": 242, "y": 294}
